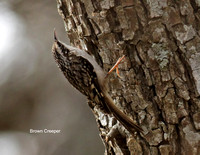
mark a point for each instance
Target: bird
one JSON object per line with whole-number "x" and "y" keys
{"x": 86, "y": 75}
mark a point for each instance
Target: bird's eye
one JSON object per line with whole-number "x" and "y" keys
{"x": 65, "y": 51}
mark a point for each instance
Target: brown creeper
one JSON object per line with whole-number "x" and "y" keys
{"x": 83, "y": 72}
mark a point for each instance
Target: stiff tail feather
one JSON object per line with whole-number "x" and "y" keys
{"x": 121, "y": 117}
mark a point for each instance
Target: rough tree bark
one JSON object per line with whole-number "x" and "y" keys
{"x": 159, "y": 86}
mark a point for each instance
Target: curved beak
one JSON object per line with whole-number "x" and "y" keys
{"x": 55, "y": 37}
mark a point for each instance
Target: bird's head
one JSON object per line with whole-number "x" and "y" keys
{"x": 59, "y": 49}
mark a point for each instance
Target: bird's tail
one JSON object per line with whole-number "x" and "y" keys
{"x": 120, "y": 116}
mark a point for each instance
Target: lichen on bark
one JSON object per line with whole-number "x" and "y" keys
{"x": 160, "y": 84}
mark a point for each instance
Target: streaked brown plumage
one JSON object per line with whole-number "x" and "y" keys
{"x": 83, "y": 72}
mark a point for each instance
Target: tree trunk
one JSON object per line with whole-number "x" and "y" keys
{"x": 159, "y": 86}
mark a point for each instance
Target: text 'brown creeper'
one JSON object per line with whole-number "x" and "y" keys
{"x": 83, "y": 72}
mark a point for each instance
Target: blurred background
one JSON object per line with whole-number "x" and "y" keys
{"x": 33, "y": 92}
